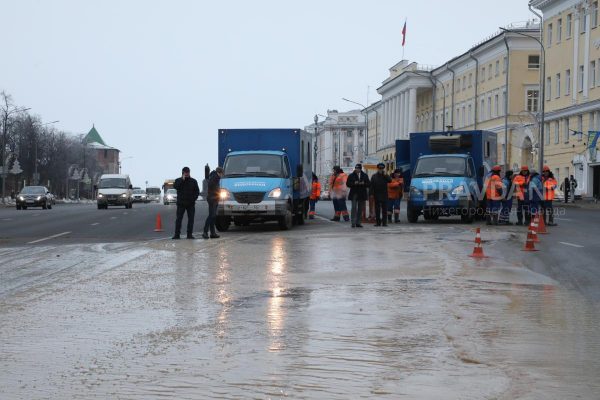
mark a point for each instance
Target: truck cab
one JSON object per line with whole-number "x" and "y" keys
{"x": 447, "y": 173}
{"x": 267, "y": 175}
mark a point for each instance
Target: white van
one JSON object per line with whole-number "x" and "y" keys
{"x": 114, "y": 190}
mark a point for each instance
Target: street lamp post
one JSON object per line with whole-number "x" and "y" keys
{"x": 366, "y": 136}
{"x": 542, "y": 92}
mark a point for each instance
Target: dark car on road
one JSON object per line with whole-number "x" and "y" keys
{"x": 34, "y": 196}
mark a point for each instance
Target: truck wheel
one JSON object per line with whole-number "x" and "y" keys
{"x": 300, "y": 218}
{"x": 412, "y": 215}
{"x": 222, "y": 223}
{"x": 100, "y": 207}
{"x": 286, "y": 222}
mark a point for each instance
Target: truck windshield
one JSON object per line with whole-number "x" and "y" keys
{"x": 113, "y": 183}
{"x": 255, "y": 165}
{"x": 153, "y": 190}
{"x": 441, "y": 166}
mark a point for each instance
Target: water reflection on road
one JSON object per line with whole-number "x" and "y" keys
{"x": 270, "y": 315}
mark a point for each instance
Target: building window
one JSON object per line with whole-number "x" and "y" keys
{"x": 464, "y": 87}
{"x": 567, "y": 133}
{"x": 568, "y": 82}
{"x": 498, "y": 68}
{"x": 458, "y": 86}
{"x": 489, "y": 108}
{"x": 482, "y": 111}
{"x": 470, "y": 79}
{"x": 594, "y": 14}
{"x": 558, "y": 30}
{"x": 556, "y": 132}
{"x": 549, "y": 35}
{"x": 580, "y": 79}
{"x": 557, "y": 86}
{"x": 533, "y": 99}
{"x": 482, "y": 74}
{"x": 548, "y": 88}
{"x": 580, "y": 124}
{"x": 490, "y": 71}
{"x": 533, "y": 61}
{"x": 582, "y": 23}
{"x": 569, "y": 25}
{"x": 505, "y": 65}
{"x": 503, "y": 106}
{"x": 496, "y": 106}
{"x": 591, "y": 126}
{"x": 457, "y": 117}
{"x": 470, "y": 115}
{"x": 464, "y": 120}
{"x": 592, "y": 74}
{"x": 547, "y": 136}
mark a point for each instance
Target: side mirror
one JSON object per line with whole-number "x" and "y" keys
{"x": 299, "y": 171}
{"x": 130, "y": 186}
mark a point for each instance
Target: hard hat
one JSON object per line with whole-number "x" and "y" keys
{"x": 546, "y": 168}
{"x": 524, "y": 168}
{"x": 496, "y": 168}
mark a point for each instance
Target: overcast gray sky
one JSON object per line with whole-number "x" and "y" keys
{"x": 158, "y": 78}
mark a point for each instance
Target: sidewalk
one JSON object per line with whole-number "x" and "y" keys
{"x": 585, "y": 204}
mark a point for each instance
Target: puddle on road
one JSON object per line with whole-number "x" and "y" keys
{"x": 331, "y": 316}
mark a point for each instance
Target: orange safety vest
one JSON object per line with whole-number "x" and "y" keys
{"x": 316, "y": 191}
{"x": 493, "y": 186}
{"x": 337, "y": 185}
{"x": 519, "y": 184}
{"x": 395, "y": 188}
{"x": 549, "y": 187}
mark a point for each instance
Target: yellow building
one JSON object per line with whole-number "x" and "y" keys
{"x": 466, "y": 93}
{"x": 571, "y": 38}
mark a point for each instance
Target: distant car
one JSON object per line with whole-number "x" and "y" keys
{"x": 325, "y": 195}
{"x": 34, "y": 196}
{"x": 140, "y": 196}
{"x": 170, "y": 197}
{"x": 153, "y": 193}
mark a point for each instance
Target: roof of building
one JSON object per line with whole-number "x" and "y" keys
{"x": 94, "y": 137}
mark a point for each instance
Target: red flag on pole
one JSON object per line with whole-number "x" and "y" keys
{"x": 404, "y": 34}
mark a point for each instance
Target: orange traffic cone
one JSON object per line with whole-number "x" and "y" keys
{"x": 158, "y": 224}
{"x": 541, "y": 225}
{"x": 478, "y": 250}
{"x": 529, "y": 246}
{"x": 534, "y": 229}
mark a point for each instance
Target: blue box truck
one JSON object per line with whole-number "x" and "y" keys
{"x": 267, "y": 176}
{"x": 447, "y": 173}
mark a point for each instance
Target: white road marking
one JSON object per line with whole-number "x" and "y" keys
{"x": 324, "y": 219}
{"x": 113, "y": 217}
{"x": 7, "y": 219}
{"x": 571, "y": 244}
{"x": 95, "y": 223}
{"x": 564, "y": 219}
{"x": 50, "y": 237}
{"x": 125, "y": 213}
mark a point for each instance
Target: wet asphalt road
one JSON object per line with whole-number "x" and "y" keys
{"x": 321, "y": 311}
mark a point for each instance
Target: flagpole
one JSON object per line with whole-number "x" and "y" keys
{"x": 403, "y": 37}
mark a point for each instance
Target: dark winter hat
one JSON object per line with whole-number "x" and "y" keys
{"x": 185, "y": 169}
{"x": 219, "y": 170}
{"x": 380, "y": 165}
{"x": 358, "y": 166}
{"x": 398, "y": 171}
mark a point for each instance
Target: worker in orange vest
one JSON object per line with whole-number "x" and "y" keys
{"x": 338, "y": 188}
{"x": 395, "y": 191}
{"x": 493, "y": 192}
{"x": 315, "y": 195}
{"x": 521, "y": 185}
{"x": 550, "y": 185}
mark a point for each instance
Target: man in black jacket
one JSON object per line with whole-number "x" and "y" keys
{"x": 212, "y": 197}
{"x": 358, "y": 182}
{"x": 187, "y": 194}
{"x": 379, "y": 190}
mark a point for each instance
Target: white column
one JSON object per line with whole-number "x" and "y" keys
{"x": 412, "y": 110}
{"x": 586, "y": 57}
{"x": 401, "y": 115}
{"x": 575, "y": 73}
{"x": 406, "y": 115}
{"x": 395, "y": 125}
{"x": 386, "y": 124}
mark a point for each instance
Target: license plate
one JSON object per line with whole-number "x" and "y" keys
{"x": 435, "y": 203}
{"x": 247, "y": 207}
{"x": 30, "y": 201}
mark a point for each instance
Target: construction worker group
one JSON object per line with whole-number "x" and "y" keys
{"x": 534, "y": 195}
